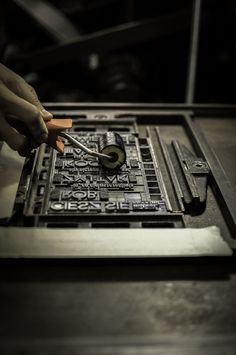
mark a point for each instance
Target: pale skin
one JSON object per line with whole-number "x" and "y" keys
{"x": 20, "y": 101}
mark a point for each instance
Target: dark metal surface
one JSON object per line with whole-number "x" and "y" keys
{"x": 221, "y": 137}
{"x": 45, "y": 306}
{"x": 219, "y": 177}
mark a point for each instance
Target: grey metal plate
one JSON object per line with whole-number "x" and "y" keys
{"x": 112, "y": 243}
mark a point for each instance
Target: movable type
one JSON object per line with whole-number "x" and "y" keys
{"x": 110, "y": 206}
{"x": 95, "y": 206}
{"x": 58, "y": 163}
{"x": 133, "y": 163}
{"x": 132, "y": 179}
{"x": 104, "y": 195}
{"x": 123, "y": 206}
{"x": 131, "y": 139}
{"x": 79, "y": 185}
{"x": 55, "y": 194}
{"x": 57, "y": 178}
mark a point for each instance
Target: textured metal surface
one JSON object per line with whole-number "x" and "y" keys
{"x": 44, "y": 304}
{"x": 76, "y": 184}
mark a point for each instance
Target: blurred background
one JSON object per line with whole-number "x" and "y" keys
{"x": 123, "y": 50}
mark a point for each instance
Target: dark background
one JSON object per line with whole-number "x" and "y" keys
{"x": 147, "y": 64}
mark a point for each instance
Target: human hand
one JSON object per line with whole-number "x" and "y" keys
{"x": 19, "y": 101}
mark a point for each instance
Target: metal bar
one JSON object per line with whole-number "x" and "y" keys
{"x": 51, "y": 19}
{"x": 200, "y": 110}
{"x": 193, "y": 53}
{"x": 171, "y": 169}
{"x": 186, "y": 175}
{"x": 79, "y": 145}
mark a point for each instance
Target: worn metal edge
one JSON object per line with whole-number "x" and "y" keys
{"x": 111, "y": 243}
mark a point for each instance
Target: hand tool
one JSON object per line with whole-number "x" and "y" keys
{"x": 111, "y": 147}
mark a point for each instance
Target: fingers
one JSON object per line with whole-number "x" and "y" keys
{"x": 47, "y": 116}
{"x": 27, "y": 92}
{"x": 24, "y": 111}
{"x": 19, "y": 99}
{"x": 14, "y": 139}
{"x": 22, "y": 89}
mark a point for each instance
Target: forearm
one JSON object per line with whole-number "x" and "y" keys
{"x": 19, "y": 100}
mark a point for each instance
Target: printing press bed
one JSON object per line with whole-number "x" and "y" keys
{"x": 91, "y": 259}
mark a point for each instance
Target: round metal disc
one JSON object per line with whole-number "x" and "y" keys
{"x": 118, "y": 155}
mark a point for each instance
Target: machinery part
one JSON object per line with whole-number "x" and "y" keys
{"x": 195, "y": 172}
{"x": 54, "y": 126}
{"x": 111, "y": 144}
{"x": 153, "y": 189}
{"x": 79, "y": 145}
{"x": 75, "y": 185}
{"x": 192, "y": 174}
{"x": 189, "y": 175}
